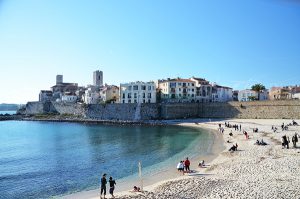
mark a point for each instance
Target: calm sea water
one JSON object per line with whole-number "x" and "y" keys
{"x": 44, "y": 159}
{"x": 8, "y": 112}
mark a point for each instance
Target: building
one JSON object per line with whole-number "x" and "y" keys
{"x": 221, "y": 93}
{"x": 91, "y": 97}
{"x": 69, "y": 98}
{"x": 110, "y": 93}
{"x": 203, "y": 89}
{"x": 247, "y": 95}
{"x": 284, "y": 93}
{"x": 45, "y": 96}
{"x": 176, "y": 90}
{"x": 138, "y": 92}
{"x": 280, "y": 93}
{"x": 235, "y": 95}
{"x": 98, "y": 78}
{"x": 61, "y": 88}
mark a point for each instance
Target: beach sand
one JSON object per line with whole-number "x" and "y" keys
{"x": 251, "y": 172}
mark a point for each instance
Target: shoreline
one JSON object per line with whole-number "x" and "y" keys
{"x": 168, "y": 174}
{"x": 251, "y": 172}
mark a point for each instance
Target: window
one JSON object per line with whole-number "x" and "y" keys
{"x": 179, "y": 89}
{"x": 149, "y": 101}
{"x": 192, "y": 84}
{"x": 192, "y": 95}
{"x": 123, "y": 95}
{"x": 135, "y": 101}
{"x": 136, "y": 87}
{"x": 172, "y": 84}
{"x": 129, "y": 101}
{"x": 129, "y": 95}
{"x": 192, "y": 90}
{"x": 123, "y": 101}
{"x": 144, "y": 95}
{"x": 149, "y": 88}
{"x": 149, "y": 95}
{"x": 183, "y": 84}
{"x": 143, "y": 88}
{"x": 129, "y": 88}
{"x": 144, "y": 101}
{"x": 188, "y": 84}
{"x": 179, "y": 95}
{"x": 135, "y": 95}
{"x": 179, "y": 84}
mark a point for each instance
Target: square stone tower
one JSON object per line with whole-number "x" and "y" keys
{"x": 98, "y": 78}
{"x": 59, "y": 79}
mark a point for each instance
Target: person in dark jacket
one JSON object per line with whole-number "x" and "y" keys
{"x": 103, "y": 186}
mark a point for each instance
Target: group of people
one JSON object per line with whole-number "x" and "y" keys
{"x": 112, "y": 184}
{"x": 235, "y": 126}
{"x": 184, "y": 166}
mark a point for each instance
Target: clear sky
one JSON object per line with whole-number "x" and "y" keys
{"x": 234, "y": 43}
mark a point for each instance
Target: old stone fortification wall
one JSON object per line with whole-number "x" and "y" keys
{"x": 252, "y": 110}
{"x": 245, "y": 110}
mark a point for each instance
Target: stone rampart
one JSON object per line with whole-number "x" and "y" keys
{"x": 243, "y": 110}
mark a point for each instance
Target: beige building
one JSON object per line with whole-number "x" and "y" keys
{"x": 138, "y": 92}
{"x": 177, "y": 90}
{"x": 279, "y": 93}
{"x": 110, "y": 93}
{"x": 203, "y": 89}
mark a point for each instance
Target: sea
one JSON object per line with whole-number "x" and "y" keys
{"x": 48, "y": 159}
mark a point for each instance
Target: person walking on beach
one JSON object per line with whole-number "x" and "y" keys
{"x": 187, "y": 165}
{"x": 180, "y": 167}
{"x": 112, "y": 184}
{"x": 103, "y": 186}
{"x": 295, "y": 140}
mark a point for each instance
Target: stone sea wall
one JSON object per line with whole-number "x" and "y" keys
{"x": 243, "y": 110}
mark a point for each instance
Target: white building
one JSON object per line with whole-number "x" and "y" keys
{"x": 177, "y": 90}
{"x": 221, "y": 93}
{"x": 247, "y": 95}
{"x": 250, "y": 95}
{"x": 91, "y": 96}
{"x": 138, "y": 92}
{"x": 110, "y": 93}
{"x": 69, "y": 98}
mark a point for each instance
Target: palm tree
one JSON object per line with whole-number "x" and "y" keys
{"x": 258, "y": 88}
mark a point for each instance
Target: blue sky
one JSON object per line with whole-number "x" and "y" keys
{"x": 234, "y": 43}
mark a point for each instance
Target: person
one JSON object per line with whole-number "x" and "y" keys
{"x": 187, "y": 165}
{"x": 180, "y": 166}
{"x": 295, "y": 140}
{"x": 236, "y": 146}
{"x": 233, "y": 148}
{"x": 112, "y": 184}
{"x": 246, "y": 135}
{"x": 103, "y": 185}
{"x": 201, "y": 164}
{"x": 240, "y": 127}
{"x": 230, "y": 134}
{"x": 285, "y": 141}
{"x": 136, "y": 189}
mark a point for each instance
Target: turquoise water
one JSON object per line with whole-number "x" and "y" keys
{"x": 44, "y": 159}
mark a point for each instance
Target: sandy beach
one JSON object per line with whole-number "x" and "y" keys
{"x": 254, "y": 171}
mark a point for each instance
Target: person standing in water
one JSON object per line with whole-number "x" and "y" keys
{"x": 112, "y": 184}
{"x": 103, "y": 186}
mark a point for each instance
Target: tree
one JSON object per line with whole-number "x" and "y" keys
{"x": 258, "y": 88}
